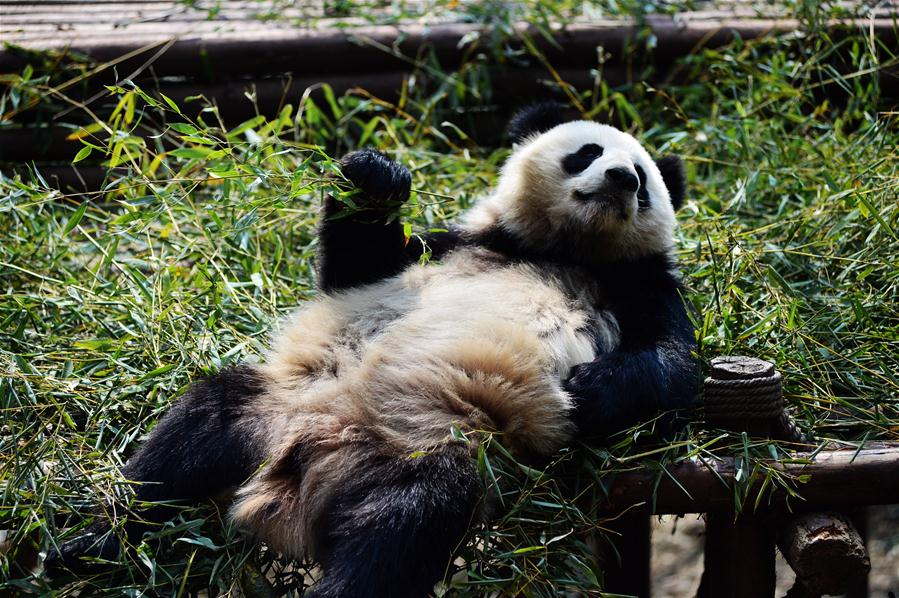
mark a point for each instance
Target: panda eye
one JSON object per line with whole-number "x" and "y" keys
{"x": 643, "y": 192}
{"x": 591, "y": 150}
{"x": 581, "y": 159}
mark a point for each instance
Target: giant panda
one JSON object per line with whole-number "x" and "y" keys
{"x": 551, "y": 310}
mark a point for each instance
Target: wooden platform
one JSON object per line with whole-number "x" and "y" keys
{"x": 221, "y": 41}
{"x": 250, "y": 37}
{"x": 219, "y": 48}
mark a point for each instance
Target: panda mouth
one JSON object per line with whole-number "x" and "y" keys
{"x": 613, "y": 201}
{"x": 598, "y": 196}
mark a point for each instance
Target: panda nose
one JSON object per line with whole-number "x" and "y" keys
{"x": 623, "y": 178}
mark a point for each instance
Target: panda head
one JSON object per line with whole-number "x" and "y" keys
{"x": 585, "y": 187}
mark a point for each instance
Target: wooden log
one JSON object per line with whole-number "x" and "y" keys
{"x": 332, "y": 50}
{"x": 841, "y": 478}
{"x": 36, "y": 143}
{"x": 510, "y": 85}
{"x": 827, "y": 553}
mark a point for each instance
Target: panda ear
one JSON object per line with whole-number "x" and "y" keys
{"x": 672, "y": 169}
{"x": 538, "y": 118}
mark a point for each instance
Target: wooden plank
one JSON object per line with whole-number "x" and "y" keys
{"x": 228, "y": 53}
{"x": 129, "y": 15}
{"x": 61, "y": 11}
{"x": 113, "y": 5}
{"x": 193, "y": 23}
{"x": 81, "y": 36}
{"x": 249, "y": 10}
{"x": 209, "y": 10}
{"x": 80, "y": 2}
{"x": 842, "y": 478}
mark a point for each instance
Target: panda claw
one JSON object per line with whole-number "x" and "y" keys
{"x": 81, "y": 554}
{"x": 383, "y": 182}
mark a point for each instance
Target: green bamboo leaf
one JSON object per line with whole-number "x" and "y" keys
{"x": 157, "y": 372}
{"x": 75, "y": 219}
{"x": 191, "y": 152}
{"x": 82, "y": 154}
{"x": 170, "y": 102}
{"x": 184, "y": 128}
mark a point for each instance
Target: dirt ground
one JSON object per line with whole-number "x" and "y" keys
{"x": 677, "y": 550}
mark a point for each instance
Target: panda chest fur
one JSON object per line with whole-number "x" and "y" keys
{"x": 475, "y": 297}
{"x": 475, "y": 340}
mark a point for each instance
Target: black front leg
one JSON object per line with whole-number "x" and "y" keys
{"x": 653, "y": 368}
{"x": 368, "y": 244}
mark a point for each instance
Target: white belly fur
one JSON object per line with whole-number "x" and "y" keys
{"x": 470, "y": 340}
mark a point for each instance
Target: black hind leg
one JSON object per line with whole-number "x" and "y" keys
{"x": 393, "y": 529}
{"x": 203, "y": 447}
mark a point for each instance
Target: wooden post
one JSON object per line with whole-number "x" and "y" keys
{"x": 627, "y": 572}
{"x": 742, "y": 394}
{"x": 739, "y": 557}
{"x": 859, "y": 518}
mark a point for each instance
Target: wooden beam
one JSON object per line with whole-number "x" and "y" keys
{"x": 274, "y": 48}
{"x": 840, "y": 478}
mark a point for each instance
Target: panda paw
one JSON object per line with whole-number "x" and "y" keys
{"x": 383, "y": 182}
{"x": 81, "y": 554}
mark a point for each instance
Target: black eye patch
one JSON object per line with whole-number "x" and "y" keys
{"x": 581, "y": 159}
{"x": 643, "y": 192}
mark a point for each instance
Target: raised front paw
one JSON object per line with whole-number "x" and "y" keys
{"x": 383, "y": 182}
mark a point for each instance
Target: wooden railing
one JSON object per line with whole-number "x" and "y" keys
{"x": 185, "y": 50}
{"x": 823, "y": 546}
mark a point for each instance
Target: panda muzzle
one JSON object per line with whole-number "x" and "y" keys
{"x": 623, "y": 178}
